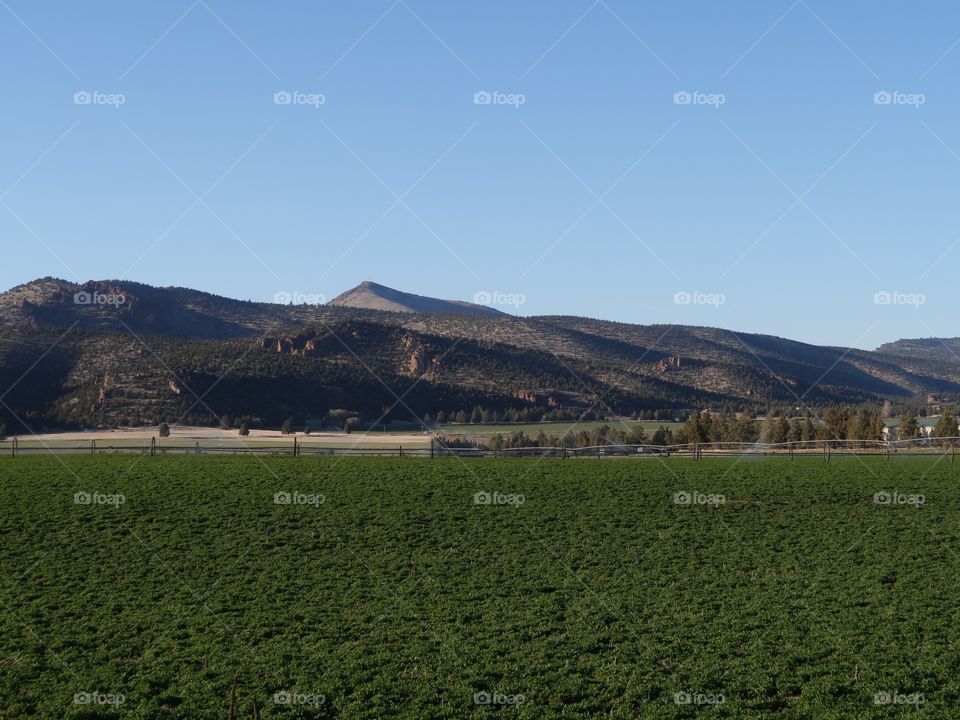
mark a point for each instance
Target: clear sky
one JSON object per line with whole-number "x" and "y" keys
{"x": 782, "y": 198}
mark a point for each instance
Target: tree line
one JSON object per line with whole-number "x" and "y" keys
{"x": 837, "y": 424}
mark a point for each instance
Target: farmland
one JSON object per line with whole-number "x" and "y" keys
{"x": 552, "y": 428}
{"x": 380, "y": 588}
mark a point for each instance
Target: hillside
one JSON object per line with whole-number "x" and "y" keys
{"x": 941, "y": 349}
{"x": 371, "y": 296}
{"x": 172, "y": 353}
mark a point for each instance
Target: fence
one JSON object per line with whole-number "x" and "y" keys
{"x": 824, "y": 450}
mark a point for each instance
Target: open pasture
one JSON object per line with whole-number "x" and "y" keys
{"x": 147, "y": 587}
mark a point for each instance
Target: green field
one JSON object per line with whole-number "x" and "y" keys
{"x": 399, "y": 597}
{"x": 552, "y": 428}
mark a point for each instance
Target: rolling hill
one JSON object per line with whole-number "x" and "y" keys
{"x": 109, "y": 353}
{"x": 371, "y": 296}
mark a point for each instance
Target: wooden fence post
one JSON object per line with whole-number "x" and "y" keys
{"x": 93, "y": 447}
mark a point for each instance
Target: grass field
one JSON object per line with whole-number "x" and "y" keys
{"x": 384, "y": 591}
{"x": 553, "y": 428}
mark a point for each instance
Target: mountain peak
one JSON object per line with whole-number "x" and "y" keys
{"x": 369, "y": 295}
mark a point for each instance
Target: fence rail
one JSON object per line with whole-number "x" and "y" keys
{"x": 818, "y": 449}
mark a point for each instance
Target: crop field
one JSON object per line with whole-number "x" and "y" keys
{"x": 552, "y": 428}
{"x": 148, "y": 587}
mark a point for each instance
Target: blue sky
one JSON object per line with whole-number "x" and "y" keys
{"x": 786, "y": 197}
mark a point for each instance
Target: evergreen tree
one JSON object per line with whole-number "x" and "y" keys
{"x": 809, "y": 431}
{"x": 857, "y": 425}
{"x": 769, "y": 428}
{"x": 837, "y": 420}
{"x": 698, "y": 428}
{"x": 909, "y": 425}
{"x": 662, "y": 436}
{"x": 782, "y": 430}
{"x": 875, "y": 427}
{"x": 946, "y": 426}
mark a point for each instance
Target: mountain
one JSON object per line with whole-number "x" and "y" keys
{"x": 124, "y": 306}
{"x": 371, "y": 296}
{"x": 108, "y": 353}
{"x": 942, "y": 349}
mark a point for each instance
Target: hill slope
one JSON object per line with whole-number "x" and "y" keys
{"x": 371, "y": 296}
{"x": 175, "y": 353}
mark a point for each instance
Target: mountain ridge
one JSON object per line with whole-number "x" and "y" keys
{"x": 88, "y": 357}
{"x": 369, "y": 295}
